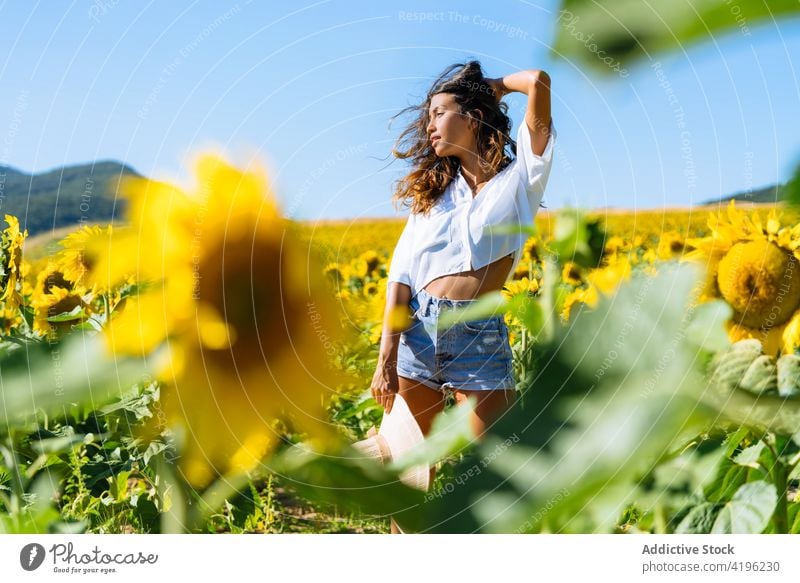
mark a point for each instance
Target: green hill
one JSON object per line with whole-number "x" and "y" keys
{"x": 772, "y": 193}
{"x": 70, "y": 195}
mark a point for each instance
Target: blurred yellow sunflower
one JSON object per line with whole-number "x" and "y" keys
{"x": 344, "y": 294}
{"x": 524, "y": 269}
{"x": 335, "y": 273}
{"x": 601, "y": 280}
{"x": 11, "y": 240}
{"x": 615, "y": 244}
{"x": 754, "y": 267}
{"x": 243, "y": 308}
{"x": 571, "y": 274}
{"x": 80, "y": 251}
{"x": 9, "y": 319}
{"x": 371, "y": 262}
{"x": 670, "y": 244}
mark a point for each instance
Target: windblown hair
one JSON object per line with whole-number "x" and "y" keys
{"x": 431, "y": 174}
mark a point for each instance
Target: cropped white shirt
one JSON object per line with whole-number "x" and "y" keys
{"x": 455, "y": 237}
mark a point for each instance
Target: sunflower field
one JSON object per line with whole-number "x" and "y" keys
{"x": 204, "y": 365}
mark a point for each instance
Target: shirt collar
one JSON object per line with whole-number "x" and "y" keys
{"x": 465, "y": 185}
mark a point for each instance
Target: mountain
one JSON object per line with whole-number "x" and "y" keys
{"x": 772, "y": 193}
{"x": 70, "y": 195}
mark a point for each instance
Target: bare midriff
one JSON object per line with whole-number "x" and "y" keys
{"x": 468, "y": 285}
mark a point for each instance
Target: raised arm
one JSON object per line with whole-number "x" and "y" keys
{"x": 536, "y": 136}
{"x": 536, "y": 85}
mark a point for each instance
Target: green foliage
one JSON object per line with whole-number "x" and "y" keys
{"x": 748, "y": 511}
{"x": 578, "y": 239}
{"x": 85, "y": 472}
{"x": 51, "y": 376}
{"x": 351, "y": 482}
{"x": 621, "y": 31}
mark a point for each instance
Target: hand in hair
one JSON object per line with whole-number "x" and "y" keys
{"x": 498, "y": 87}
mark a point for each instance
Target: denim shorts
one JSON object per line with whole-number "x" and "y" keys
{"x": 472, "y": 355}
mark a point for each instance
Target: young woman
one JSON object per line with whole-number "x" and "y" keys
{"x": 462, "y": 183}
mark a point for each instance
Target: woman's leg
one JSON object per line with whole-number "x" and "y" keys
{"x": 490, "y": 405}
{"x": 425, "y": 403}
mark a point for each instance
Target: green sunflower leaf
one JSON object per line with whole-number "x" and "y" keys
{"x": 749, "y": 510}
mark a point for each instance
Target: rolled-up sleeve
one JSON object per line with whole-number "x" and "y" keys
{"x": 534, "y": 170}
{"x": 400, "y": 267}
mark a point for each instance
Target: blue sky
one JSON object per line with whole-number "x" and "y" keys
{"x": 310, "y": 87}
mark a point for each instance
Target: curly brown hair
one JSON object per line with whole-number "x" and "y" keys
{"x": 431, "y": 174}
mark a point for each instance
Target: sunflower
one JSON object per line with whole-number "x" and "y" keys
{"x": 80, "y": 252}
{"x": 9, "y": 319}
{"x": 670, "y": 244}
{"x": 11, "y": 241}
{"x": 54, "y": 295}
{"x": 754, "y": 267}
{"x": 335, "y": 273}
{"x": 524, "y": 269}
{"x": 365, "y": 311}
{"x": 520, "y": 286}
{"x": 248, "y": 323}
{"x": 531, "y": 248}
{"x": 370, "y": 261}
{"x": 615, "y": 244}
{"x": 751, "y": 278}
{"x": 528, "y": 287}
{"x": 603, "y": 280}
{"x": 607, "y": 278}
{"x": 365, "y": 266}
{"x": 571, "y": 274}
{"x": 530, "y": 256}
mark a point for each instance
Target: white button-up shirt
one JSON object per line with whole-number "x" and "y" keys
{"x": 455, "y": 236}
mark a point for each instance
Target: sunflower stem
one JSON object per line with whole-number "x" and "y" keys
{"x": 779, "y": 476}
{"x": 214, "y": 497}
{"x": 781, "y": 515}
{"x": 524, "y": 339}
{"x": 660, "y": 519}
{"x": 171, "y": 497}
{"x": 106, "y": 308}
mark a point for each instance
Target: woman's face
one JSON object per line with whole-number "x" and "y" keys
{"x": 454, "y": 130}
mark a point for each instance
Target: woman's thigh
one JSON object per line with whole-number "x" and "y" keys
{"x": 424, "y": 402}
{"x": 488, "y": 407}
